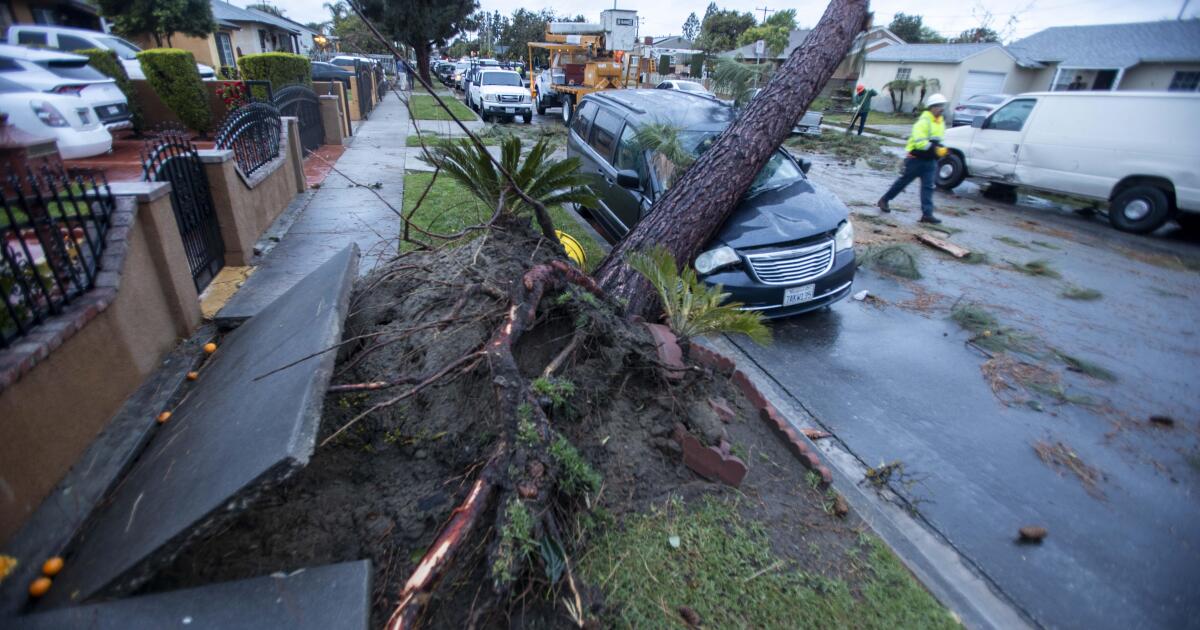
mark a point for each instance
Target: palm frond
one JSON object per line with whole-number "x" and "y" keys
{"x": 692, "y": 308}
{"x": 736, "y": 78}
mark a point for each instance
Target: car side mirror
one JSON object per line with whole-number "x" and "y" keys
{"x": 805, "y": 165}
{"x": 978, "y": 122}
{"x": 628, "y": 178}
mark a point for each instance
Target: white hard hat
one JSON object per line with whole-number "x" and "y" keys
{"x": 936, "y": 99}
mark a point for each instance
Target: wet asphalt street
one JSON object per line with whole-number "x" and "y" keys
{"x": 895, "y": 381}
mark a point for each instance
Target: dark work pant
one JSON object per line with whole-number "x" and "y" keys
{"x": 914, "y": 168}
{"x": 861, "y": 118}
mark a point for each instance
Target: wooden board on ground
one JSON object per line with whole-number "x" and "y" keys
{"x": 946, "y": 246}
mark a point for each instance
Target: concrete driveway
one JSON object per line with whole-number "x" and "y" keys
{"x": 993, "y": 440}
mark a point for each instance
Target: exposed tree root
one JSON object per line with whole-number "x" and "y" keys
{"x": 520, "y": 474}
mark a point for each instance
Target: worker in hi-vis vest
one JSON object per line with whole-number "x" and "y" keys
{"x": 924, "y": 148}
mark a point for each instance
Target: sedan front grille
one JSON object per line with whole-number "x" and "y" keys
{"x": 792, "y": 266}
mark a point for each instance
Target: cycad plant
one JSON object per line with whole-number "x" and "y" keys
{"x": 691, "y": 308}
{"x": 926, "y": 84}
{"x": 549, "y": 182}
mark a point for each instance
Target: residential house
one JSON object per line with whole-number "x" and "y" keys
{"x": 875, "y": 39}
{"x": 1141, "y": 56}
{"x": 73, "y": 13}
{"x": 680, "y": 51}
{"x": 242, "y": 32}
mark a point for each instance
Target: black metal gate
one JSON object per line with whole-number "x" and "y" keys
{"x": 171, "y": 157}
{"x": 362, "y": 85}
{"x": 303, "y": 103}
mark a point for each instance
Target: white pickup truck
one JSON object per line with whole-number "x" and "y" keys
{"x": 500, "y": 93}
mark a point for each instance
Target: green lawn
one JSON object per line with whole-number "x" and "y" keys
{"x": 424, "y": 107}
{"x": 430, "y": 139}
{"x": 874, "y": 118}
{"x": 449, "y": 208}
{"x": 707, "y": 557}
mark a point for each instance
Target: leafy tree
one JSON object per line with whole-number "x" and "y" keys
{"x": 977, "y": 35}
{"x": 691, "y": 27}
{"x": 774, "y": 32}
{"x": 912, "y": 29}
{"x": 522, "y": 27}
{"x": 721, "y": 28}
{"x": 421, "y": 24}
{"x": 159, "y": 18}
{"x": 354, "y": 37}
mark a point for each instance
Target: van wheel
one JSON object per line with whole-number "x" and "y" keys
{"x": 568, "y": 105}
{"x": 541, "y": 109}
{"x": 951, "y": 171}
{"x": 1139, "y": 209}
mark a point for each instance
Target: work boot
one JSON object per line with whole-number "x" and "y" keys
{"x": 929, "y": 218}
{"x": 883, "y": 205}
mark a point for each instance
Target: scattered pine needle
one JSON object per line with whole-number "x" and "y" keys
{"x": 1059, "y": 456}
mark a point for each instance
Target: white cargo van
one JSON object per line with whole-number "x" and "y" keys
{"x": 1137, "y": 151}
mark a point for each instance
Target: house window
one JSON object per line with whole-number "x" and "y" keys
{"x": 225, "y": 50}
{"x": 903, "y": 74}
{"x": 262, "y": 40}
{"x": 1184, "y": 82}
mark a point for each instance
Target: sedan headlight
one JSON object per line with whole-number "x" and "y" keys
{"x": 714, "y": 259}
{"x": 844, "y": 239}
{"x": 49, "y": 116}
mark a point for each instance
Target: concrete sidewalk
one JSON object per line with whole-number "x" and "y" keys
{"x": 351, "y": 206}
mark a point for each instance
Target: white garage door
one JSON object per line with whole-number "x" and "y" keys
{"x": 982, "y": 83}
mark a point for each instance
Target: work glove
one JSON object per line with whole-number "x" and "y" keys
{"x": 941, "y": 151}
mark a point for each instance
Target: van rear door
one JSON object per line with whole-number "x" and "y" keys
{"x": 994, "y": 148}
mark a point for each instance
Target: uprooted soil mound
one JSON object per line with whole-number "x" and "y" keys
{"x": 382, "y": 484}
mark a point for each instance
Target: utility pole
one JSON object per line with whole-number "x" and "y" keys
{"x": 765, "y": 11}
{"x": 1182, "y": 9}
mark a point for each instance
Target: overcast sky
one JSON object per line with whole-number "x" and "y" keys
{"x": 948, "y": 18}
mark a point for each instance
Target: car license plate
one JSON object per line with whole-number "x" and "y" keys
{"x": 796, "y": 295}
{"x": 509, "y": 110}
{"x": 113, "y": 109}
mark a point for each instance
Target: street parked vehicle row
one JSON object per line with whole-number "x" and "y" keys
{"x": 69, "y": 39}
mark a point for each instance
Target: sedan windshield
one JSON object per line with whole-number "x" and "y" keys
{"x": 779, "y": 171}
{"x": 124, "y": 49}
{"x": 501, "y": 78}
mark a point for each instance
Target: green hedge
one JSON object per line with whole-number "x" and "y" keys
{"x": 281, "y": 69}
{"x": 109, "y": 65}
{"x": 173, "y": 75}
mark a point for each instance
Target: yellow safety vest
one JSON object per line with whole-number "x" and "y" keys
{"x": 926, "y": 128}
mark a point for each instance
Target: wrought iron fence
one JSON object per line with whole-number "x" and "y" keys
{"x": 52, "y": 229}
{"x": 170, "y": 156}
{"x": 303, "y": 103}
{"x": 252, "y": 132}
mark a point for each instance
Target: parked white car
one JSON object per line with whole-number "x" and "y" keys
{"x": 1137, "y": 151}
{"x": 73, "y": 126}
{"x": 501, "y": 93}
{"x": 70, "y": 75}
{"x": 69, "y": 39}
{"x": 686, "y": 86}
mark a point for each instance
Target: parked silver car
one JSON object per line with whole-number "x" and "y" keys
{"x": 810, "y": 122}
{"x": 977, "y": 106}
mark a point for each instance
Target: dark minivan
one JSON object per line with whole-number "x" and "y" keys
{"x": 787, "y": 248}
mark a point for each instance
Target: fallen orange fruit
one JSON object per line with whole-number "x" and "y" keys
{"x": 191, "y": 376}
{"x": 39, "y": 586}
{"x": 52, "y": 566}
{"x": 164, "y": 416}
{"x": 210, "y": 347}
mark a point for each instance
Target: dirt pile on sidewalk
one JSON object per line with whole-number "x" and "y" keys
{"x": 384, "y": 483}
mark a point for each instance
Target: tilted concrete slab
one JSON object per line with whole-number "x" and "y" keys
{"x": 331, "y": 597}
{"x": 249, "y": 422}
